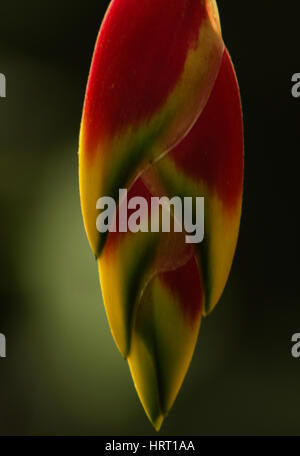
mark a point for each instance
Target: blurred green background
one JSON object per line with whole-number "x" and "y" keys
{"x": 63, "y": 374}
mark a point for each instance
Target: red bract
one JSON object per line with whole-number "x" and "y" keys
{"x": 162, "y": 117}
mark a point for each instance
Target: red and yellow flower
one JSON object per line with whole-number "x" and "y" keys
{"x": 162, "y": 116}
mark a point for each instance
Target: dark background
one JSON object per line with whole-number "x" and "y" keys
{"x": 63, "y": 373}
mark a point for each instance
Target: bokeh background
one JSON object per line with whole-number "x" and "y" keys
{"x": 63, "y": 374}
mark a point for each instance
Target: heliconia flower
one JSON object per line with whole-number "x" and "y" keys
{"x": 162, "y": 117}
